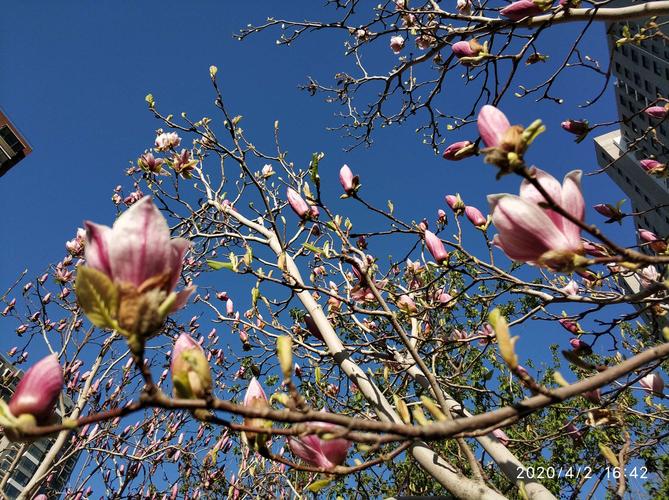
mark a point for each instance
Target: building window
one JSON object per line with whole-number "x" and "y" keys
{"x": 12, "y": 141}
{"x": 646, "y": 85}
{"x": 617, "y": 67}
{"x": 622, "y": 100}
{"x": 637, "y": 79}
{"x": 624, "y": 50}
{"x": 635, "y": 56}
{"x": 644, "y": 62}
{"x": 627, "y": 74}
{"x": 656, "y": 69}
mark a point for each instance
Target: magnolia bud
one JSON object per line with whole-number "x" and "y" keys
{"x": 191, "y": 376}
{"x": 38, "y": 390}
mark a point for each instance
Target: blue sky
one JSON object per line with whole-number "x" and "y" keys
{"x": 74, "y": 76}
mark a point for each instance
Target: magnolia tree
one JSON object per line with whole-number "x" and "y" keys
{"x": 345, "y": 370}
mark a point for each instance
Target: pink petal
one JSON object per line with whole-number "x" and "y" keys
{"x": 308, "y": 449}
{"x": 179, "y": 248}
{"x": 574, "y": 204}
{"x": 182, "y": 298}
{"x": 96, "y": 250}
{"x": 530, "y": 193}
{"x": 140, "y": 244}
{"x": 38, "y": 390}
{"x": 525, "y": 231}
{"x": 492, "y": 124}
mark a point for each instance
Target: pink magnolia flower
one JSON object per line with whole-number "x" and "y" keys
{"x": 441, "y": 215}
{"x": 148, "y": 162}
{"x": 475, "y": 216}
{"x": 455, "y": 202}
{"x": 570, "y": 288}
{"x": 569, "y": 325}
{"x": 463, "y": 6}
{"x": 38, "y": 390}
{"x": 466, "y": 48}
{"x": 649, "y": 275}
{"x": 297, "y": 203}
{"x": 493, "y": 125}
{"x": 142, "y": 260}
{"x": 458, "y": 334}
{"x": 397, "y": 44}
{"x": 521, "y": 9}
{"x": 655, "y": 243}
{"x": 191, "y": 375}
{"x": 576, "y": 127}
{"x": 443, "y": 297}
{"x": 530, "y": 233}
{"x": 652, "y": 166}
{"x": 436, "y": 247}
{"x": 579, "y": 345}
{"x": 458, "y": 151}
{"x": 658, "y": 112}
{"x": 407, "y": 304}
{"x": 324, "y": 453}
{"x": 653, "y": 383}
{"x": 348, "y": 181}
{"x": 167, "y": 141}
{"x": 501, "y": 436}
{"x": 255, "y": 395}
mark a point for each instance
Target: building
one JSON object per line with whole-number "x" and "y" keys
{"x": 641, "y": 73}
{"x": 13, "y": 146}
{"x": 31, "y": 454}
{"x": 642, "y": 76}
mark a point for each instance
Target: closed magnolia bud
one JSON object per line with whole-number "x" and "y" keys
{"x": 492, "y": 124}
{"x": 459, "y": 150}
{"x": 349, "y": 182}
{"x": 407, "y": 305}
{"x": 570, "y": 325}
{"x": 657, "y": 112}
{"x": 576, "y": 127}
{"x": 521, "y": 9}
{"x": 191, "y": 376}
{"x": 467, "y": 48}
{"x": 38, "y": 390}
{"x": 652, "y": 166}
{"x": 476, "y": 217}
{"x": 435, "y": 247}
{"x": 455, "y": 203}
{"x": 297, "y": 203}
{"x": 255, "y": 397}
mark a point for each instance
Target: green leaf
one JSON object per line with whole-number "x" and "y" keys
{"x": 312, "y": 248}
{"x": 216, "y": 265}
{"x": 97, "y": 296}
{"x": 313, "y": 169}
{"x": 317, "y": 486}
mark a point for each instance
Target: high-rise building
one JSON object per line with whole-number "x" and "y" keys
{"x": 641, "y": 72}
{"x": 21, "y": 461}
{"x": 13, "y": 146}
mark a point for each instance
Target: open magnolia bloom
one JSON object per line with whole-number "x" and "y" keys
{"x": 131, "y": 272}
{"x": 529, "y": 232}
{"x": 320, "y": 452}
